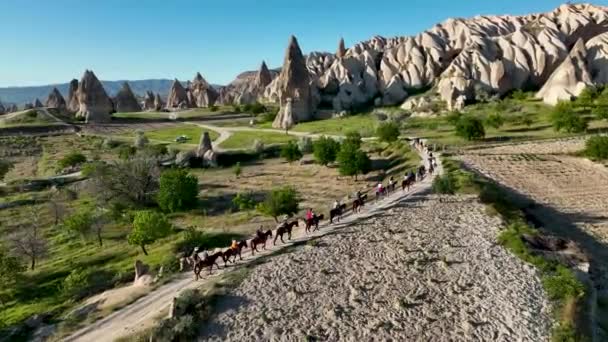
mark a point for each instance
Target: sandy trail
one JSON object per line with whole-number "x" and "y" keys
{"x": 143, "y": 312}
{"x": 427, "y": 269}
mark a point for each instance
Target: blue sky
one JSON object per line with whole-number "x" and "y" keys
{"x": 44, "y": 41}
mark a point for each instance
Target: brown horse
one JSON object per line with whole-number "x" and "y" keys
{"x": 209, "y": 262}
{"x": 336, "y": 213}
{"x": 407, "y": 183}
{"x": 233, "y": 253}
{"x": 286, "y": 227}
{"x": 260, "y": 240}
{"x": 314, "y": 222}
{"x": 359, "y": 203}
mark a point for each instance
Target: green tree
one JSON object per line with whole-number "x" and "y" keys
{"x": 257, "y": 108}
{"x": 601, "y": 109}
{"x": 325, "y": 150}
{"x": 353, "y": 137}
{"x": 237, "y": 169}
{"x": 388, "y": 132}
{"x": 470, "y": 128}
{"x": 453, "y": 118}
{"x": 565, "y": 119}
{"x": 148, "y": 226}
{"x": 495, "y": 120}
{"x": 10, "y": 269}
{"x": 71, "y": 159}
{"x": 597, "y": 147}
{"x": 5, "y": 167}
{"x": 291, "y": 152}
{"x": 587, "y": 97}
{"x": 244, "y": 201}
{"x": 280, "y": 201}
{"x": 352, "y": 161}
{"x": 79, "y": 223}
{"x": 178, "y": 190}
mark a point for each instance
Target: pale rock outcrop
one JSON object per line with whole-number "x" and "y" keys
{"x": 178, "y": 97}
{"x": 95, "y": 105}
{"x": 56, "y": 100}
{"x": 204, "y": 145}
{"x": 202, "y": 94}
{"x": 294, "y": 87}
{"x": 125, "y": 101}
{"x": 248, "y": 87}
{"x": 2, "y": 109}
{"x": 597, "y": 58}
{"x": 569, "y": 79}
{"x": 12, "y": 108}
{"x": 38, "y": 104}
{"x": 72, "y": 100}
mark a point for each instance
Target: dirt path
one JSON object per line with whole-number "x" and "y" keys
{"x": 426, "y": 269}
{"x": 141, "y": 314}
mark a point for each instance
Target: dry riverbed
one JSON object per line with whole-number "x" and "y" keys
{"x": 428, "y": 269}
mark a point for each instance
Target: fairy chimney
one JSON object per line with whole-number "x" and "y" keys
{"x": 95, "y": 106}
{"x": 56, "y": 100}
{"x": 294, "y": 84}
{"x": 125, "y": 101}
{"x": 178, "y": 97}
{"x": 202, "y": 93}
{"x": 72, "y": 101}
{"x": 341, "y": 49}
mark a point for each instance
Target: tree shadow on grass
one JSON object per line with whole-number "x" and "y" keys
{"x": 220, "y": 204}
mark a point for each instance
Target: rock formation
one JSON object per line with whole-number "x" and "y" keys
{"x": 569, "y": 79}
{"x": 158, "y": 103}
{"x": 248, "y": 87}
{"x": 204, "y": 145}
{"x": 148, "y": 103}
{"x": 202, "y": 93}
{"x": 125, "y": 101}
{"x": 12, "y": 108}
{"x": 2, "y": 109}
{"x": 178, "y": 97}
{"x": 38, "y": 104}
{"x": 294, "y": 88}
{"x": 341, "y": 52}
{"x": 94, "y": 104}
{"x": 72, "y": 101}
{"x": 28, "y": 105}
{"x": 56, "y": 100}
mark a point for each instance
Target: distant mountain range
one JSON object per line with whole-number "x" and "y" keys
{"x": 21, "y": 95}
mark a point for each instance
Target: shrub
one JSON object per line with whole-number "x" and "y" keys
{"x": 353, "y": 137}
{"x": 110, "y": 143}
{"x": 11, "y": 269}
{"x": 5, "y": 167}
{"x": 453, "y": 118}
{"x": 81, "y": 283}
{"x": 79, "y": 223}
{"x": 445, "y": 184}
{"x": 470, "y": 128}
{"x": 148, "y": 226}
{"x": 597, "y": 147}
{"x": 305, "y": 144}
{"x": 495, "y": 120}
{"x": 213, "y": 108}
{"x": 237, "y": 169}
{"x": 280, "y": 201}
{"x": 126, "y": 152}
{"x": 519, "y": 94}
{"x": 75, "y": 283}
{"x": 269, "y": 116}
{"x": 257, "y": 108}
{"x": 325, "y": 150}
{"x": 236, "y": 108}
{"x": 244, "y": 201}
{"x": 140, "y": 139}
{"x": 72, "y": 159}
{"x": 352, "y": 161}
{"x": 291, "y": 152}
{"x": 258, "y": 146}
{"x": 565, "y": 119}
{"x": 388, "y": 132}
{"x": 178, "y": 190}
{"x": 156, "y": 151}
{"x": 562, "y": 284}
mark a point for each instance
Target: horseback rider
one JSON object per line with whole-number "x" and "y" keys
{"x": 234, "y": 246}
{"x": 309, "y": 214}
{"x": 336, "y": 204}
{"x": 391, "y": 184}
{"x": 259, "y": 233}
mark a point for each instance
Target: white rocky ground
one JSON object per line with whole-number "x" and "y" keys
{"x": 428, "y": 269}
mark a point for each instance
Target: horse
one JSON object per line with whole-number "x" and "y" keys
{"x": 336, "y": 213}
{"x": 208, "y": 262}
{"x": 260, "y": 240}
{"x": 234, "y": 252}
{"x": 406, "y": 183}
{"x": 314, "y": 221}
{"x": 359, "y": 203}
{"x": 285, "y": 227}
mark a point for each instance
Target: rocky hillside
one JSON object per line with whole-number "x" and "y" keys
{"x": 461, "y": 60}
